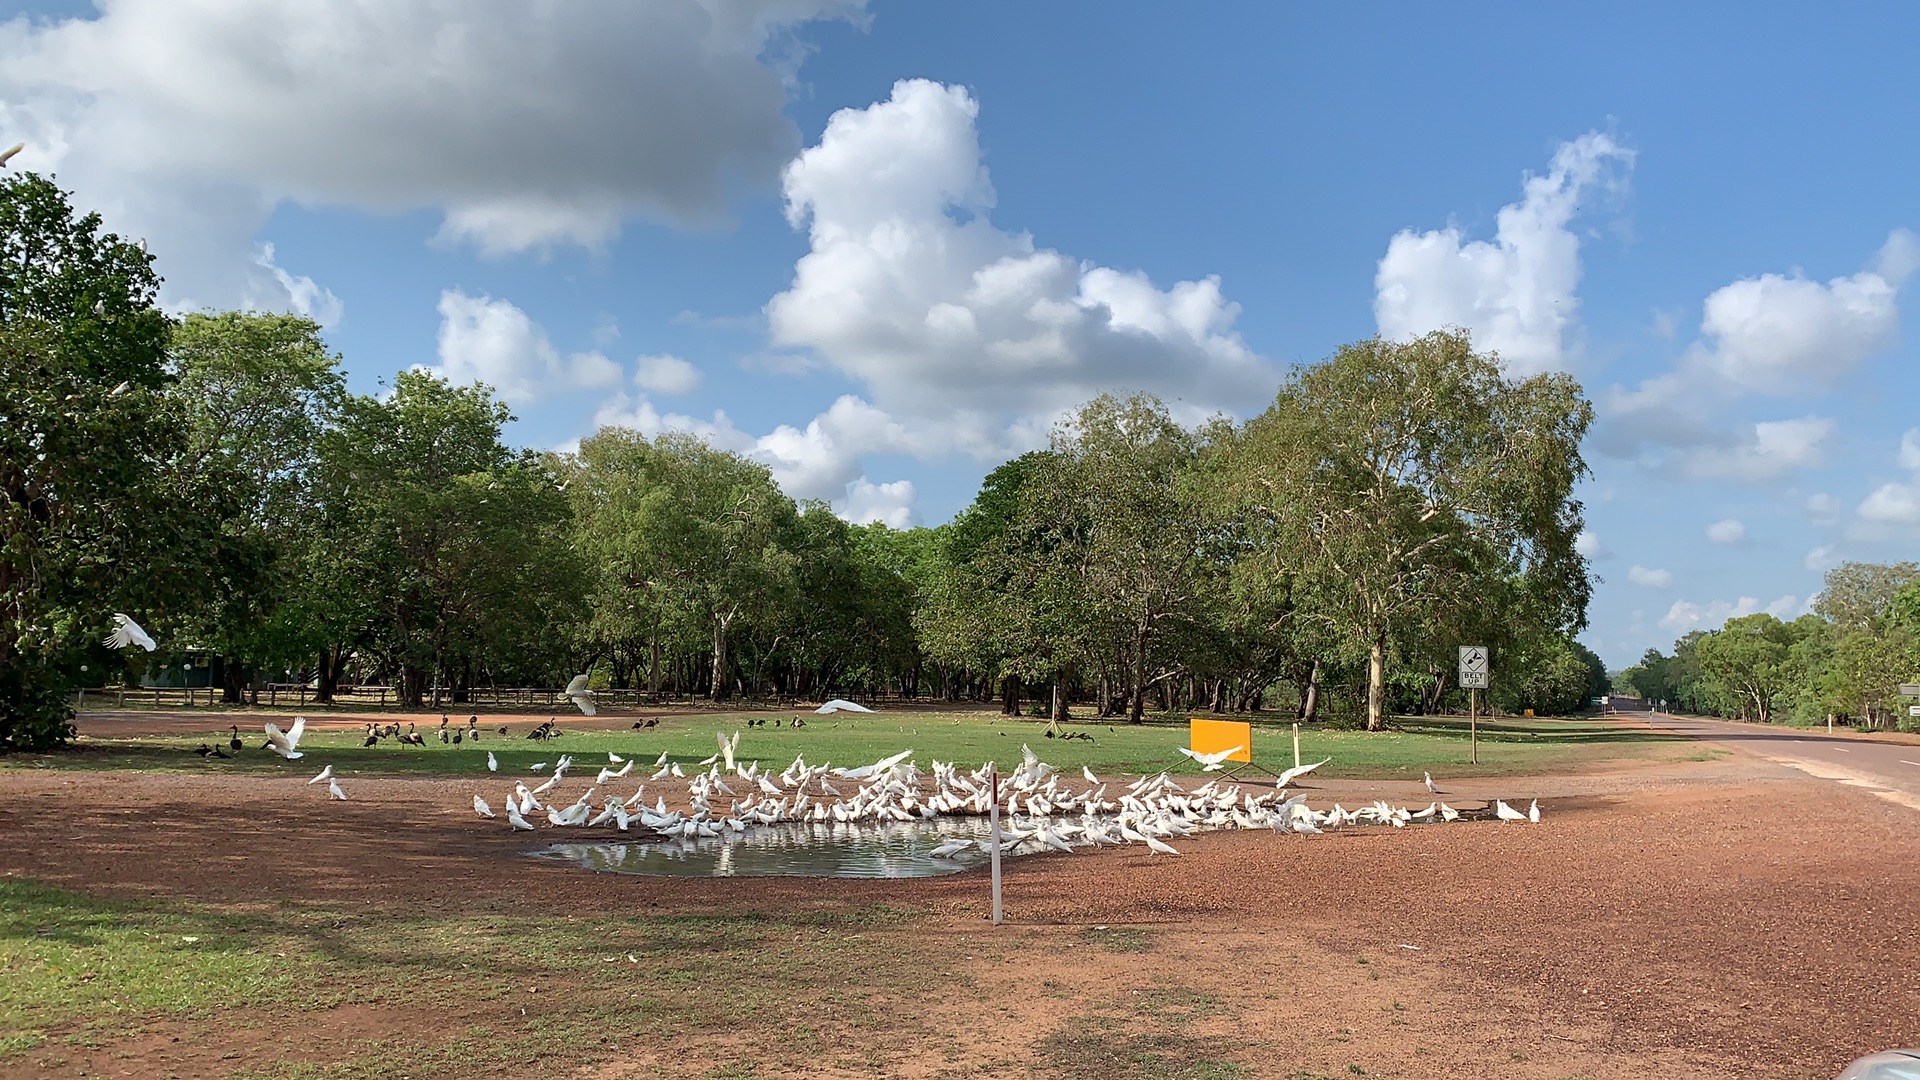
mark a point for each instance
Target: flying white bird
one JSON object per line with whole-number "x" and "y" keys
{"x": 325, "y": 774}
{"x": 7, "y": 154}
{"x": 1507, "y": 813}
{"x": 1431, "y": 786}
{"x": 287, "y": 743}
{"x": 493, "y": 763}
{"x": 333, "y": 791}
{"x": 480, "y": 807}
{"x": 840, "y": 705}
{"x": 1297, "y": 772}
{"x": 129, "y": 633}
{"x": 578, "y": 693}
{"x": 1211, "y": 762}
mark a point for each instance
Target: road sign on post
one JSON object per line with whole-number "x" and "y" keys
{"x": 1473, "y": 666}
{"x": 1473, "y": 676}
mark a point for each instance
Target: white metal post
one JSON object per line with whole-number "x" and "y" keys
{"x": 1296, "y": 744}
{"x": 993, "y": 841}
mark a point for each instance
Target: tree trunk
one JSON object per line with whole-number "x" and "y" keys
{"x": 1010, "y": 696}
{"x": 323, "y": 693}
{"x": 232, "y": 680}
{"x": 1310, "y": 707}
{"x": 1059, "y": 714}
{"x": 717, "y": 688}
{"x": 1377, "y": 682}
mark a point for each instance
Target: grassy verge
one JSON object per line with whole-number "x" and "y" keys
{"x": 1416, "y": 744}
{"x": 77, "y": 971}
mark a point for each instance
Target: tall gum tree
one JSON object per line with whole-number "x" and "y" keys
{"x": 1402, "y": 478}
{"x": 96, "y": 513}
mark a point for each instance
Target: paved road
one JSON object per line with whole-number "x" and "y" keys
{"x": 1890, "y": 770}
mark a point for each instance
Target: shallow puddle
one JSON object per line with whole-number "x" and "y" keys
{"x": 813, "y": 849}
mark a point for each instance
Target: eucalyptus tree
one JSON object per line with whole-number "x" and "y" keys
{"x": 687, "y": 534}
{"x": 1746, "y": 661}
{"x": 1111, "y": 532}
{"x": 438, "y": 538}
{"x": 95, "y": 512}
{"x": 257, "y": 390}
{"x": 1400, "y": 479}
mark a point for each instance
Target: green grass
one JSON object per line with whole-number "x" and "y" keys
{"x": 79, "y": 966}
{"x": 1415, "y": 744}
{"x": 66, "y": 958}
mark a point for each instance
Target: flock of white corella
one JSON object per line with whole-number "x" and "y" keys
{"x": 1040, "y": 808}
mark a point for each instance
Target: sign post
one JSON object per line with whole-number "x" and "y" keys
{"x": 1473, "y": 676}
{"x": 993, "y": 843}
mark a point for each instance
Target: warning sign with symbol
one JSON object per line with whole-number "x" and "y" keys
{"x": 1473, "y": 666}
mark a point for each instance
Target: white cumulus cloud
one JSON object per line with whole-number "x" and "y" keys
{"x": 1770, "y": 449}
{"x": 1587, "y": 543}
{"x": 302, "y": 295}
{"x": 1819, "y": 559}
{"x": 523, "y": 125}
{"x": 492, "y": 341}
{"x": 909, "y": 287}
{"x": 666, "y": 375}
{"x": 1685, "y": 615}
{"x": 1516, "y": 293}
{"x": 1776, "y": 333}
{"x": 1727, "y": 531}
{"x": 1652, "y": 579}
{"x": 891, "y": 504}
{"x": 1823, "y": 508}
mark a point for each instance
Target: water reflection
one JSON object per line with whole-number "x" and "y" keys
{"x": 896, "y": 849}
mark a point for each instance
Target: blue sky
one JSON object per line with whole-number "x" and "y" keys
{"x": 881, "y": 246}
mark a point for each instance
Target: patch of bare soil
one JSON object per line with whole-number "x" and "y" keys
{"x": 1708, "y": 919}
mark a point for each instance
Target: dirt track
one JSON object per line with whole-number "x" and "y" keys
{"x": 1671, "y": 922}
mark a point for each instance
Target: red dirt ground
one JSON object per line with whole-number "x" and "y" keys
{"x": 1712, "y": 919}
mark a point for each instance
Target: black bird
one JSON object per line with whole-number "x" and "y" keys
{"x": 639, "y": 723}
{"x": 217, "y": 752}
{"x": 234, "y": 743}
{"x": 503, "y": 729}
{"x": 457, "y": 732}
{"x": 204, "y": 750}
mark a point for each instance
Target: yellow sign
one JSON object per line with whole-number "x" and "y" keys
{"x": 1529, "y": 712}
{"x": 1213, "y": 736}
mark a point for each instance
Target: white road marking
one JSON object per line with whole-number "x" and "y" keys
{"x": 1904, "y": 761}
{"x": 1843, "y": 749}
{"x": 1851, "y": 779}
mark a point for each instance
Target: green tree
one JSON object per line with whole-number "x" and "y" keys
{"x": 441, "y": 546}
{"x": 96, "y": 514}
{"x": 1746, "y": 660}
{"x": 1401, "y": 479}
{"x": 257, "y": 390}
{"x": 685, "y": 534}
